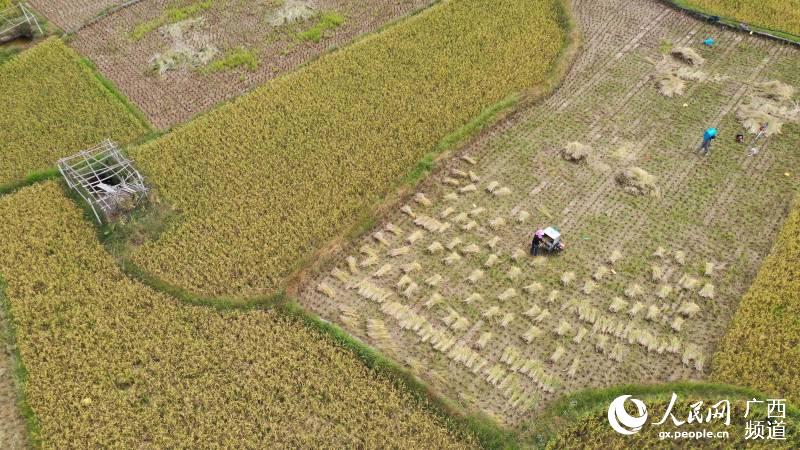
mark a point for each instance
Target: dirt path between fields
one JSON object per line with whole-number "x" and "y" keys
{"x": 445, "y": 285}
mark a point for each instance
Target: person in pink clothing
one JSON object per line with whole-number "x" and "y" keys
{"x": 537, "y": 241}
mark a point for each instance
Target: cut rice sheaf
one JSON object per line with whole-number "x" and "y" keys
{"x": 422, "y": 199}
{"x": 326, "y": 289}
{"x": 576, "y": 152}
{"x": 507, "y": 294}
{"x": 475, "y": 276}
{"x": 637, "y": 181}
{"x": 435, "y": 247}
{"x": 688, "y": 55}
{"x": 507, "y": 319}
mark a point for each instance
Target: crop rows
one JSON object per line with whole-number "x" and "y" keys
{"x": 113, "y": 363}
{"x": 268, "y": 179}
{"x": 647, "y": 284}
{"x": 54, "y": 106}
{"x": 166, "y": 56}
{"x": 757, "y": 349}
{"x": 779, "y": 15}
{"x": 70, "y": 14}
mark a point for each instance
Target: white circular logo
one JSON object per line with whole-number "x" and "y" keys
{"x": 621, "y": 421}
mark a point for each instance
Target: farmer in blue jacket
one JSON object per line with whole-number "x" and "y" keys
{"x": 705, "y": 147}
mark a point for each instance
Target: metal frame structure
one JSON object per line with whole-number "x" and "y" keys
{"x": 105, "y": 178}
{"x": 16, "y": 16}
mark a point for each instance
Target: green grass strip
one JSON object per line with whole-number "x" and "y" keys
{"x": 327, "y": 21}
{"x": 238, "y": 57}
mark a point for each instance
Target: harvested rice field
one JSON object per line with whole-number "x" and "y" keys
{"x": 70, "y": 15}
{"x": 661, "y": 243}
{"x": 174, "y": 69}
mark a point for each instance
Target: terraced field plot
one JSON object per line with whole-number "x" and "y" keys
{"x": 782, "y": 15}
{"x": 69, "y": 15}
{"x": 114, "y": 363}
{"x": 764, "y": 331}
{"x": 263, "y": 182}
{"x": 166, "y": 70}
{"x": 647, "y": 284}
{"x": 54, "y": 106}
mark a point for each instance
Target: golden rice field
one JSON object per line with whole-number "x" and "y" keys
{"x": 267, "y": 179}
{"x": 112, "y": 363}
{"x": 53, "y": 106}
{"x": 779, "y": 15}
{"x": 760, "y": 348}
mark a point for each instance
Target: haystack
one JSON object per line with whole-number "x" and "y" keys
{"x": 687, "y": 55}
{"x": 637, "y": 181}
{"x": 775, "y": 90}
{"x": 291, "y": 11}
{"x": 576, "y": 152}
{"x": 669, "y": 85}
{"x": 770, "y": 104}
{"x": 759, "y": 111}
{"x": 687, "y": 74}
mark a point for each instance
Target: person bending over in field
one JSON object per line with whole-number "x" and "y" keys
{"x": 705, "y": 147}
{"x": 537, "y": 241}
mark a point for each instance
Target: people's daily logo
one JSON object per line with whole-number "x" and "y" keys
{"x": 621, "y": 421}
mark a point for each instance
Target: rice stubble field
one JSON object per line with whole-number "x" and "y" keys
{"x": 175, "y": 62}
{"x": 661, "y": 242}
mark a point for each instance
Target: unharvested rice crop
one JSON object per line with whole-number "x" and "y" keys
{"x": 781, "y": 15}
{"x": 113, "y": 363}
{"x": 54, "y": 106}
{"x": 759, "y": 349}
{"x": 264, "y": 181}
{"x": 688, "y": 56}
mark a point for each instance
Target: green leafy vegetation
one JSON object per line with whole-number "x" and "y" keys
{"x": 239, "y": 57}
{"x": 326, "y": 21}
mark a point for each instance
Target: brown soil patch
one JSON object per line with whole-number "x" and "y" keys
{"x": 263, "y": 27}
